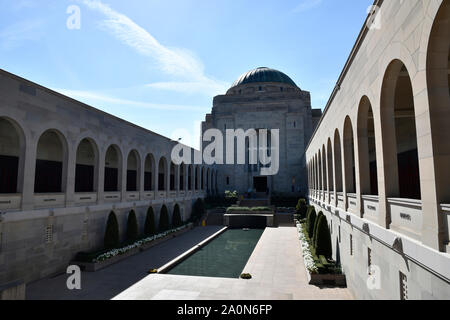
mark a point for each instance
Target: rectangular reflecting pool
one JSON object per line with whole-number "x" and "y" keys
{"x": 223, "y": 257}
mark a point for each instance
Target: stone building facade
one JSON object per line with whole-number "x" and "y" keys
{"x": 65, "y": 166}
{"x": 379, "y": 160}
{"x": 265, "y": 99}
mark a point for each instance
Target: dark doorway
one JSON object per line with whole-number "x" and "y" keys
{"x": 260, "y": 184}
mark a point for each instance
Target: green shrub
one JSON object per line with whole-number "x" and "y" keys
{"x": 132, "y": 227}
{"x": 248, "y": 209}
{"x": 310, "y": 222}
{"x": 112, "y": 239}
{"x": 164, "y": 219}
{"x": 316, "y": 224}
{"x": 308, "y": 211}
{"x": 198, "y": 211}
{"x": 246, "y": 276}
{"x": 150, "y": 228}
{"x": 301, "y": 208}
{"x": 323, "y": 241}
{"x": 176, "y": 221}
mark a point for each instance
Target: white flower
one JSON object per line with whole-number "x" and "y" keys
{"x": 307, "y": 255}
{"x": 115, "y": 252}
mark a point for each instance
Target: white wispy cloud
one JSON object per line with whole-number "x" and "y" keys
{"x": 95, "y": 96}
{"x": 14, "y": 35}
{"x": 179, "y": 63}
{"x": 306, "y": 5}
{"x": 199, "y": 87}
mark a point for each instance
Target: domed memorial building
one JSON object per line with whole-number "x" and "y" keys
{"x": 264, "y": 98}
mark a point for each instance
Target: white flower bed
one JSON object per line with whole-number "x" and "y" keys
{"x": 307, "y": 255}
{"x": 137, "y": 244}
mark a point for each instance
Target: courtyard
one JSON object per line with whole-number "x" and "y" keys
{"x": 276, "y": 267}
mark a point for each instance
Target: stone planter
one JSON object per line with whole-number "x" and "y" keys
{"x": 95, "y": 266}
{"x": 337, "y": 280}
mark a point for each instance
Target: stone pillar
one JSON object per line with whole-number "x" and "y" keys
{"x": 29, "y": 176}
{"x": 141, "y": 180}
{"x": 101, "y": 176}
{"x": 70, "y": 174}
{"x": 356, "y": 161}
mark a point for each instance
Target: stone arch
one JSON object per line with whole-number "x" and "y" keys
{"x": 172, "y": 176}
{"x": 196, "y": 184}
{"x": 113, "y": 169}
{"x": 133, "y": 171}
{"x": 208, "y": 180}
{"x": 12, "y": 156}
{"x": 162, "y": 174}
{"x": 367, "y": 155}
{"x": 190, "y": 169}
{"x": 149, "y": 173}
{"x": 325, "y": 169}
{"x": 438, "y": 83}
{"x": 349, "y": 157}
{"x": 399, "y": 134}
{"x": 202, "y": 179}
{"x": 182, "y": 176}
{"x": 330, "y": 165}
{"x": 338, "y": 161}
{"x": 51, "y": 162}
{"x": 86, "y": 168}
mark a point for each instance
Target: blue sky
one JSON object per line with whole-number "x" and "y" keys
{"x": 159, "y": 63}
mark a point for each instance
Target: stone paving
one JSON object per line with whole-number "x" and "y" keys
{"x": 276, "y": 266}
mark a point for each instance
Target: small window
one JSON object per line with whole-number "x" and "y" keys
{"x": 228, "y": 181}
{"x": 49, "y": 234}
{"x": 403, "y": 287}
{"x": 351, "y": 245}
{"x": 240, "y": 91}
{"x": 295, "y": 124}
{"x": 281, "y": 89}
{"x": 260, "y": 88}
{"x": 225, "y": 126}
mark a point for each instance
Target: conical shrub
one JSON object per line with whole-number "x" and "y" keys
{"x": 323, "y": 241}
{"x": 177, "y": 222}
{"x": 149, "y": 227}
{"x": 311, "y": 221}
{"x": 301, "y": 208}
{"x": 164, "y": 219}
{"x": 316, "y": 225}
{"x": 112, "y": 239}
{"x": 198, "y": 210}
{"x": 132, "y": 227}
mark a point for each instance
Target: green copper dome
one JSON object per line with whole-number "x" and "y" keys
{"x": 264, "y": 75}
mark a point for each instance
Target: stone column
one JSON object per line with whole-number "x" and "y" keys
{"x": 141, "y": 174}
{"x": 29, "y": 176}
{"x": 70, "y": 174}
{"x": 101, "y": 176}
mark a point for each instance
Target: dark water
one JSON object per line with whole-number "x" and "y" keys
{"x": 224, "y": 257}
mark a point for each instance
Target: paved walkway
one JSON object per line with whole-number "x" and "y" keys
{"x": 276, "y": 266}
{"x": 109, "y": 282}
